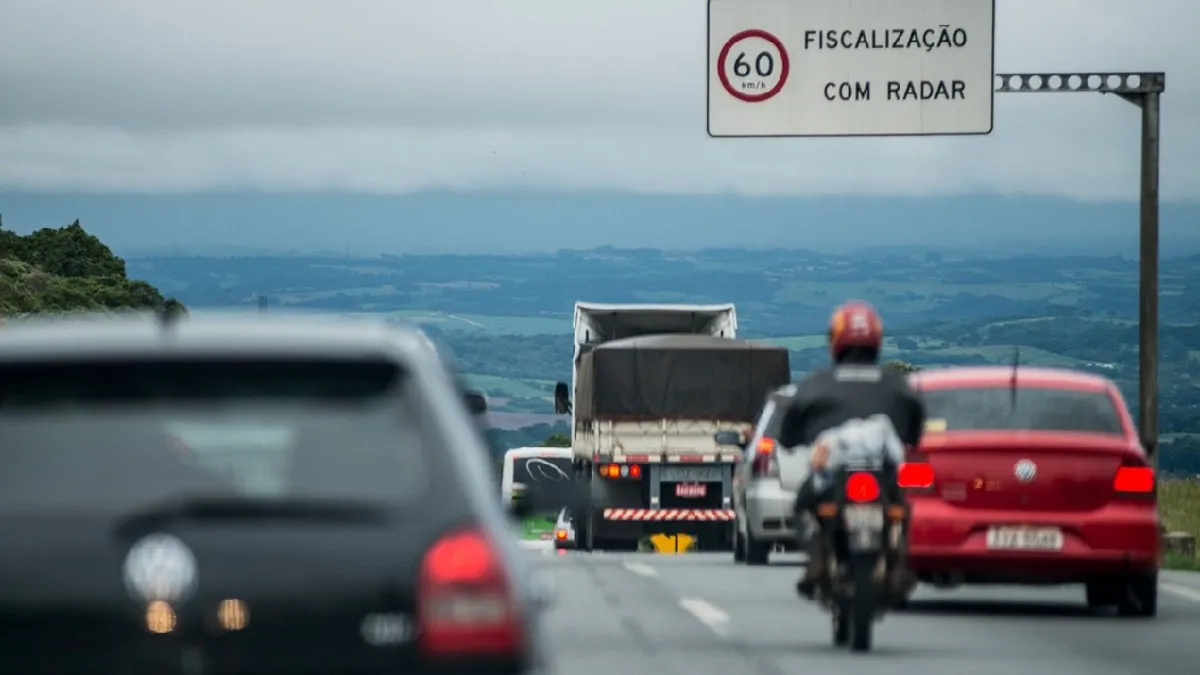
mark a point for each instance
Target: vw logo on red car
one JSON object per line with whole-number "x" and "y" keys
{"x": 1025, "y": 471}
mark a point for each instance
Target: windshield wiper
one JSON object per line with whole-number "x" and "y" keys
{"x": 208, "y": 508}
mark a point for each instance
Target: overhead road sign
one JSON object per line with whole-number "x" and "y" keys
{"x": 850, "y": 67}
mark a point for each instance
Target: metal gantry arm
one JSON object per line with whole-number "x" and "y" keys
{"x": 1142, "y": 89}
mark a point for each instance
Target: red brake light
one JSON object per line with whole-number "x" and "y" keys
{"x": 464, "y": 604}
{"x": 862, "y": 487}
{"x": 1134, "y": 479}
{"x": 762, "y": 465}
{"x": 915, "y": 475}
{"x": 635, "y": 471}
{"x": 560, "y": 534}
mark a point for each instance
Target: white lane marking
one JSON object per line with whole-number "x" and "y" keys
{"x": 640, "y": 569}
{"x": 710, "y": 615}
{"x": 1180, "y": 591}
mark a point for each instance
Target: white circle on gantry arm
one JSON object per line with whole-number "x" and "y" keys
{"x": 753, "y": 66}
{"x": 160, "y": 567}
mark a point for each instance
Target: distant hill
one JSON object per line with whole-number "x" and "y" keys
{"x": 442, "y": 222}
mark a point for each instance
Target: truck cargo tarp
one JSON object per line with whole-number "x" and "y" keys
{"x": 678, "y": 377}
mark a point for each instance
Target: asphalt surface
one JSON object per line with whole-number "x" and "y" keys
{"x": 629, "y": 614}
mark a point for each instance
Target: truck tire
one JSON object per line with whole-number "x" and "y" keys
{"x": 588, "y": 540}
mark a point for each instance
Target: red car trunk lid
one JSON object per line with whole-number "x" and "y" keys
{"x": 1041, "y": 471}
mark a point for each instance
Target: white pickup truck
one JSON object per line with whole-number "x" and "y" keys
{"x": 651, "y": 386}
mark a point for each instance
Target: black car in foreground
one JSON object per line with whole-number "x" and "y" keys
{"x": 248, "y": 495}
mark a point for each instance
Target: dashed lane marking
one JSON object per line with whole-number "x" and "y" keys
{"x": 708, "y": 614}
{"x": 1180, "y": 591}
{"x": 640, "y": 569}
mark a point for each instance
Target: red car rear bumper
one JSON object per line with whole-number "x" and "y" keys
{"x": 1119, "y": 538}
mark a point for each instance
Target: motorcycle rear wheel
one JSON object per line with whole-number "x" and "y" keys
{"x": 840, "y": 613}
{"x": 860, "y": 618}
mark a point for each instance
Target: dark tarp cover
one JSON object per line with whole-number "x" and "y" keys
{"x": 678, "y": 377}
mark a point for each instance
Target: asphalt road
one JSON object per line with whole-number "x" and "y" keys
{"x": 635, "y": 614}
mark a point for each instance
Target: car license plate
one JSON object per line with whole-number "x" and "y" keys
{"x": 691, "y": 490}
{"x": 863, "y": 517}
{"x": 690, "y": 474}
{"x": 1025, "y": 538}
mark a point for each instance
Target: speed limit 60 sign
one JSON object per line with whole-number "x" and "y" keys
{"x": 755, "y": 65}
{"x": 850, "y": 67}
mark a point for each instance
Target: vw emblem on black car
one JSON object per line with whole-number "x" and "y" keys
{"x": 1025, "y": 471}
{"x": 160, "y": 567}
{"x": 386, "y": 629}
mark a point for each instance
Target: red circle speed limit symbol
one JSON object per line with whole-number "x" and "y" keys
{"x": 753, "y": 66}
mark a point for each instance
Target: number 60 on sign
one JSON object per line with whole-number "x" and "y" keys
{"x": 753, "y": 65}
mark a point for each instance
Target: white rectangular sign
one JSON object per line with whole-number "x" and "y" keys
{"x": 850, "y": 67}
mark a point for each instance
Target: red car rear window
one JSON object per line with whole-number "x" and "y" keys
{"x": 1030, "y": 409}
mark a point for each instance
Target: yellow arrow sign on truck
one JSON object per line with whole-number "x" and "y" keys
{"x": 672, "y": 543}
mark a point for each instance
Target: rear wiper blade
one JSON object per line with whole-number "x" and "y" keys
{"x": 238, "y": 508}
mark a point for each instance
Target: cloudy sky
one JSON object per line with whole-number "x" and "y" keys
{"x": 401, "y": 95}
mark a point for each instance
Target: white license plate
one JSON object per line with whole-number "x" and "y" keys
{"x": 690, "y": 474}
{"x": 691, "y": 490}
{"x": 1025, "y": 538}
{"x": 863, "y": 517}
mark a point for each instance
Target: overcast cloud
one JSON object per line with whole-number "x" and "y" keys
{"x": 400, "y": 95}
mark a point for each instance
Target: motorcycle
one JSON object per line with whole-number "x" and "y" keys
{"x": 864, "y": 524}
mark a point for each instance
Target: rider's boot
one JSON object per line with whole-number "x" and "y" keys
{"x": 815, "y": 570}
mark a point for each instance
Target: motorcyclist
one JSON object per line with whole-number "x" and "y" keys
{"x": 855, "y": 387}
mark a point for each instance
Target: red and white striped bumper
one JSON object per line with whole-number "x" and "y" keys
{"x": 668, "y": 514}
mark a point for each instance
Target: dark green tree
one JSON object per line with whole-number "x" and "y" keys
{"x": 558, "y": 441}
{"x": 67, "y": 269}
{"x": 902, "y": 366}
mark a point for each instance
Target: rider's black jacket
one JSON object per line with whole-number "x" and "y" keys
{"x": 830, "y": 397}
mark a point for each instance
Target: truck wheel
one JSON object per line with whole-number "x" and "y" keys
{"x": 739, "y": 546}
{"x": 585, "y": 537}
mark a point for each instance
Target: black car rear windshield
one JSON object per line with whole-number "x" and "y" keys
{"x": 119, "y": 434}
{"x": 1031, "y": 409}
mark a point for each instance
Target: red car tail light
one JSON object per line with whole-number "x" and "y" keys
{"x": 464, "y": 604}
{"x": 862, "y": 487}
{"x": 915, "y": 475}
{"x": 1134, "y": 480}
{"x": 635, "y": 471}
{"x": 763, "y": 464}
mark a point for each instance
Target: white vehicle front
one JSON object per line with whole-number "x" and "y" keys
{"x": 537, "y": 464}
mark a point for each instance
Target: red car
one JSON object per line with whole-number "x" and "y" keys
{"x": 1032, "y": 476}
